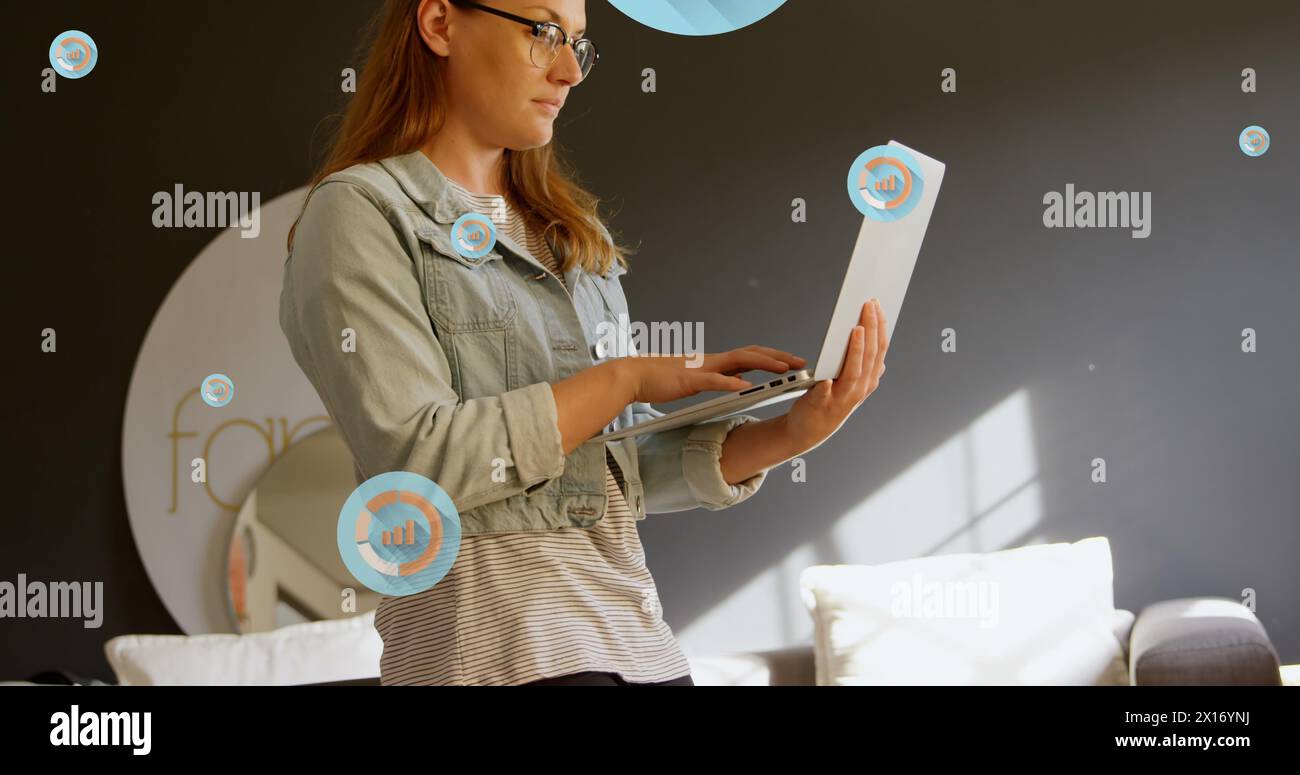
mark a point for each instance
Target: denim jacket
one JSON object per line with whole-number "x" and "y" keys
{"x": 449, "y": 369}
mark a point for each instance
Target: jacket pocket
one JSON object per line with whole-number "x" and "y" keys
{"x": 464, "y": 294}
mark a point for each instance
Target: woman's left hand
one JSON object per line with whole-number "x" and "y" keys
{"x": 824, "y": 408}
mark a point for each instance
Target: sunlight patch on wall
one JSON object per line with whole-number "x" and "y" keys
{"x": 978, "y": 491}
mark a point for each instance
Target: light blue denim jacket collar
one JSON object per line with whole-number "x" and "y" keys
{"x": 428, "y": 187}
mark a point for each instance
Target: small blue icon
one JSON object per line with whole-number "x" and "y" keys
{"x": 697, "y": 17}
{"x": 217, "y": 390}
{"x": 1253, "y": 141}
{"x": 885, "y": 183}
{"x": 473, "y": 235}
{"x": 399, "y": 533}
{"x": 73, "y": 54}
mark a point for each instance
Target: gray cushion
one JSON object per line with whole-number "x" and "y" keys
{"x": 1201, "y": 641}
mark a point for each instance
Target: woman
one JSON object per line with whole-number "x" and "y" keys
{"x": 484, "y": 373}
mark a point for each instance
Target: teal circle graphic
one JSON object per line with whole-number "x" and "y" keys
{"x": 697, "y": 17}
{"x": 473, "y": 235}
{"x": 217, "y": 390}
{"x": 73, "y": 54}
{"x": 1253, "y": 140}
{"x": 399, "y": 533}
{"x": 885, "y": 183}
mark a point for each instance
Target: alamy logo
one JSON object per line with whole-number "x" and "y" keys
{"x": 55, "y": 600}
{"x": 103, "y": 728}
{"x": 945, "y": 599}
{"x": 1105, "y": 209}
{"x": 183, "y": 209}
{"x": 628, "y": 339}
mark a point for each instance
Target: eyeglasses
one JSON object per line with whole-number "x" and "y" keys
{"x": 547, "y": 39}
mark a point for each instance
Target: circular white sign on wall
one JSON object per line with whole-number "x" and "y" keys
{"x": 221, "y": 316}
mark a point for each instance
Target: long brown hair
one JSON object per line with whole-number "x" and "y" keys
{"x": 400, "y": 103}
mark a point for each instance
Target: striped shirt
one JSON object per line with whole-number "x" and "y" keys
{"x": 522, "y": 606}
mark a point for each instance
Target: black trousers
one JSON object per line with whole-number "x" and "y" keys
{"x": 592, "y": 678}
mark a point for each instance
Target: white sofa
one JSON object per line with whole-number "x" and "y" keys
{"x": 1033, "y": 615}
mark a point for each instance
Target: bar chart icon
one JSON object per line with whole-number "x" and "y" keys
{"x": 399, "y": 562}
{"x": 885, "y": 183}
{"x": 398, "y": 533}
{"x": 394, "y": 537}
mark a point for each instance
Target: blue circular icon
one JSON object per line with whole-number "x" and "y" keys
{"x": 473, "y": 235}
{"x": 885, "y": 183}
{"x": 73, "y": 54}
{"x": 217, "y": 390}
{"x": 399, "y": 533}
{"x": 697, "y": 17}
{"x": 1253, "y": 141}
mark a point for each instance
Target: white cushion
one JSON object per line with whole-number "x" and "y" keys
{"x": 312, "y": 652}
{"x": 1034, "y": 615}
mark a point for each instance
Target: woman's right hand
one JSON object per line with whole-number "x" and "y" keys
{"x": 657, "y": 378}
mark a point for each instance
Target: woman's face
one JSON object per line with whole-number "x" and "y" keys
{"x": 493, "y": 85}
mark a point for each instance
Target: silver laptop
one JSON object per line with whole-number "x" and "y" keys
{"x": 881, "y": 266}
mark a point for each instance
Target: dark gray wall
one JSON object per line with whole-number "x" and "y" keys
{"x": 1073, "y": 344}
